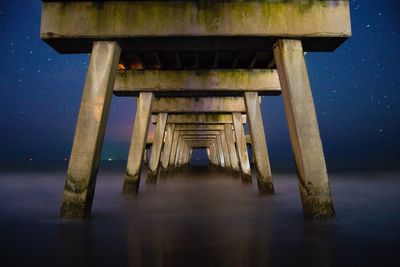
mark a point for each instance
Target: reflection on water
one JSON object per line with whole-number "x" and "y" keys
{"x": 198, "y": 217}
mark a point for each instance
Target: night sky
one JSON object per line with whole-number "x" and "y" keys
{"x": 356, "y": 91}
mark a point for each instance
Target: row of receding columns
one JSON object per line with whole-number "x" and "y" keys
{"x": 227, "y": 153}
{"x": 181, "y": 138}
{"x": 300, "y": 114}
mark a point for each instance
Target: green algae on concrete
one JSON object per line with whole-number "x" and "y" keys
{"x": 131, "y": 19}
{"x": 132, "y": 81}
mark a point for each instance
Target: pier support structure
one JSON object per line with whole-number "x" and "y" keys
{"x": 138, "y": 142}
{"x": 259, "y": 144}
{"x": 157, "y": 147}
{"x": 303, "y": 129}
{"x": 89, "y": 134}
{"x": 189, "y": 64}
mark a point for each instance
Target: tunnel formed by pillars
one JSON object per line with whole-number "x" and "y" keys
{"x": 197, "y": 70}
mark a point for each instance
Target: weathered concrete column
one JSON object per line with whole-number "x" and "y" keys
{"x": 174, "y": 148}
{"x": 186, "y": 155}
{"x": 215, "y": 153}
{"x": 259, "y": 144}
{"x": 167, "y": 146}
{"x": 303, "y": 129}
{"x": 212, "y": 161}
{"x": 138, "y": 143}
{"x": 182, "y": 153}
{"x": 146, "y": 156}
{"x": 157, "y": 147}
{"x": 220, "y": 151}
{"x": 231, "y": 147}
{"x": 190, "y": 155}
{"x": 89, "y": 134}
{"x": 225, "y": 149}
{"x": 212, "y": 158}
{"x": 178, "y": 151}
{"x": 241, "y": 147}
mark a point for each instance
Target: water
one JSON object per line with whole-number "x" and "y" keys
{"x": 197, "y": 217}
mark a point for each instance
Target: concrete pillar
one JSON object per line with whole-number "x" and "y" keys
{"x": 157, "y": 147}
{"x": 231, "y": 147}
{"x": 241, "y": 147}
{"x": 188, "y": 155}
{"x": 167, "y": 146}
{"x": 215, "y": 153}
{"x": 259, "y": 144}
{"x": 89, "y": 134}
{"x": 138, "y": 142}
{"x": 303, "y": 129}
{"x": 174, "y": 148}
{"x": 182, "y": 153}
{"x": 220, "y": 151}
{"x": 225, "y": 149}
{"x": 145, "y": 156}
{"x": 212, "y": 156}
{"x": 178, "y": 151}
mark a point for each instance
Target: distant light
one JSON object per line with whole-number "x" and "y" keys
{"x": 137, "y": 66}
{"x": 65, "y": 159}
{"x": 109, "y": 159}
{"x": 30, "y": 159}
{"x": 121, "y": 66}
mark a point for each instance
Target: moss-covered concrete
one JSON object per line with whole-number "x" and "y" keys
{"x": 131, "y": 82}
{"x": 130, "y": 19}
{"x": 74, "y": 210}
{"x": 265, "y": 187}
{"x": 246, "y": 178}
{"x": 152, "y": 177}
{"x": 316, "y": 201}
{"x": 76, "y": 185}
{"x": 131, "y": 184}
{"x": 303, "y": 129}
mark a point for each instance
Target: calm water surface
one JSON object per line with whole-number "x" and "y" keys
{"x": 197, "y": 217}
